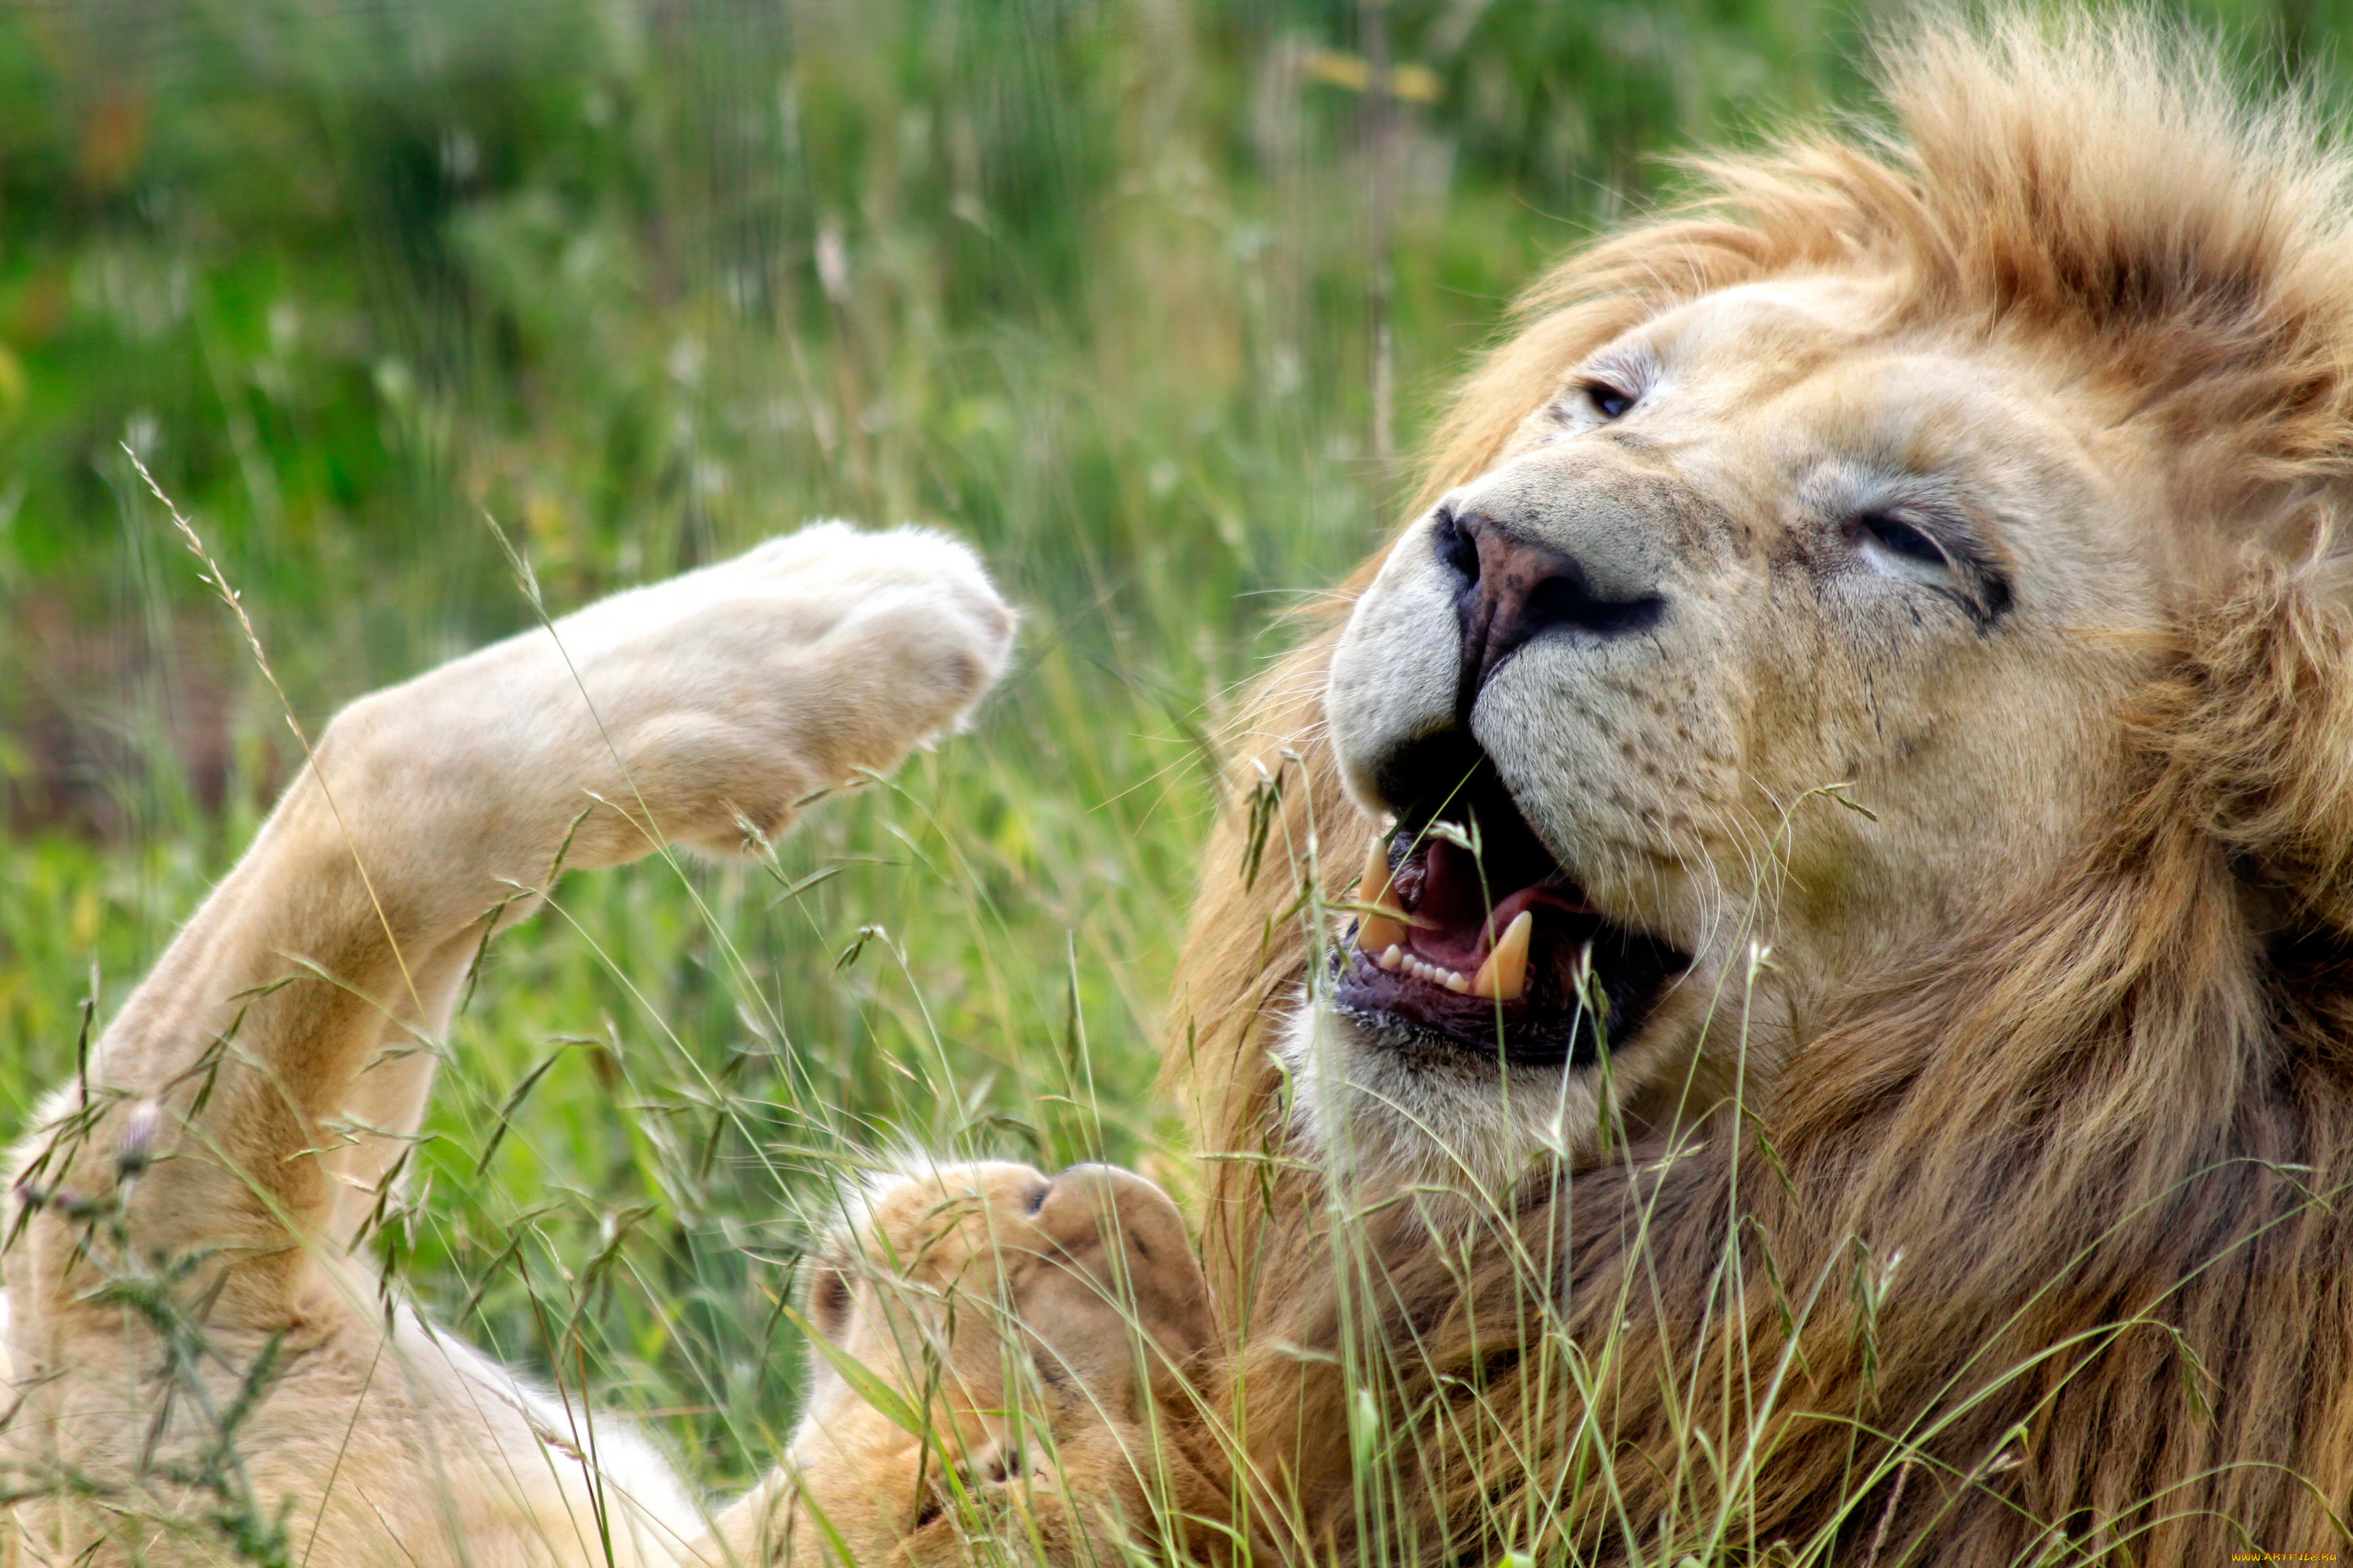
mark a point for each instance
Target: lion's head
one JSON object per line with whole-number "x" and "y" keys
{"x": 1780, "y": 620}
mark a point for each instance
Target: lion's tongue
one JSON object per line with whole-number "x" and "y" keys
{"x": 1449, "y": 926}
{"x": 1455, "y": 937}
{"x": 1466, "y": 921}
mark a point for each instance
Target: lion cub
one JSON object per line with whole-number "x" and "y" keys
{"x": 205, "y": 1364}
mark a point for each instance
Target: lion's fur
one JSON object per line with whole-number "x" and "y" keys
{"x": 2051, "y": 1218}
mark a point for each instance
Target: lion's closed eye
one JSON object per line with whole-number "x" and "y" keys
{"x": 1892, "y": 536}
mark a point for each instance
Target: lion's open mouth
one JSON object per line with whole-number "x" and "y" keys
{"x": 1473, "y": 934}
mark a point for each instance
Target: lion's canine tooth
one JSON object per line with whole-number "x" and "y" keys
{"x": 1456, "y": 984}
{"x": 1376, "y": 933}
{"x": 1391, "y": 956}
{"x": 1504, "y": 974}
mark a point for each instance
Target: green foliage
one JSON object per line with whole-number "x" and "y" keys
{"x": 1096, "y": 283}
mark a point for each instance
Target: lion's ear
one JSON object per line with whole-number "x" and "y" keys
{"x": 2253, "y": 731}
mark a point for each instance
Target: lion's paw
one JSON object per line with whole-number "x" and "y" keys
{"x": 734, "y": 692}
{"x": 702, "y": 709}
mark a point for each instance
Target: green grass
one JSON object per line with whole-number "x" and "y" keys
{"x": 1094, "y": 284}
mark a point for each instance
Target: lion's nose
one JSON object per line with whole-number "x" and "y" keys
{"x": 1513, "y": 590}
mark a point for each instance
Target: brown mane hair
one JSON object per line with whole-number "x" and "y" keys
{"x": 2040, "y": 1247}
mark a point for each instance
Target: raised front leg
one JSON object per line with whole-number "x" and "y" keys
{"x": 263, "y": 1083}
{"x": 1001, "y": 1377}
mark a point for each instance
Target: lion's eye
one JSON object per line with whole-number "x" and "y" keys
{"x": 1607, "y": 400}
{"x": 1901, "y": 539}
{"x": 1943, "y": 555}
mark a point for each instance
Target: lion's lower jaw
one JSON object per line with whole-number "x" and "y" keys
{"x": 1381, "y": 1110}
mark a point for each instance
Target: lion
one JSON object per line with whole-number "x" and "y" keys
{"x": 1841, "y": 1046}
{"x": 209, "y": 1366}
{"x": 1783, "y": 992}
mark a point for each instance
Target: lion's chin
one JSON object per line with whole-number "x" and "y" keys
{"x": 1377, "y": 1108}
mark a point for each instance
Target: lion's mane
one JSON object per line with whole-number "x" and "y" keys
{"x": 2043, "y": 1243}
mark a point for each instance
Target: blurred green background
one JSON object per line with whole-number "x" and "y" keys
{"x": 1148, "y": 297}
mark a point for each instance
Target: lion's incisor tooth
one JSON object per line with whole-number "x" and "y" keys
{"x": 1504, "y": 974}
{"x": 1376, "y": 933}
